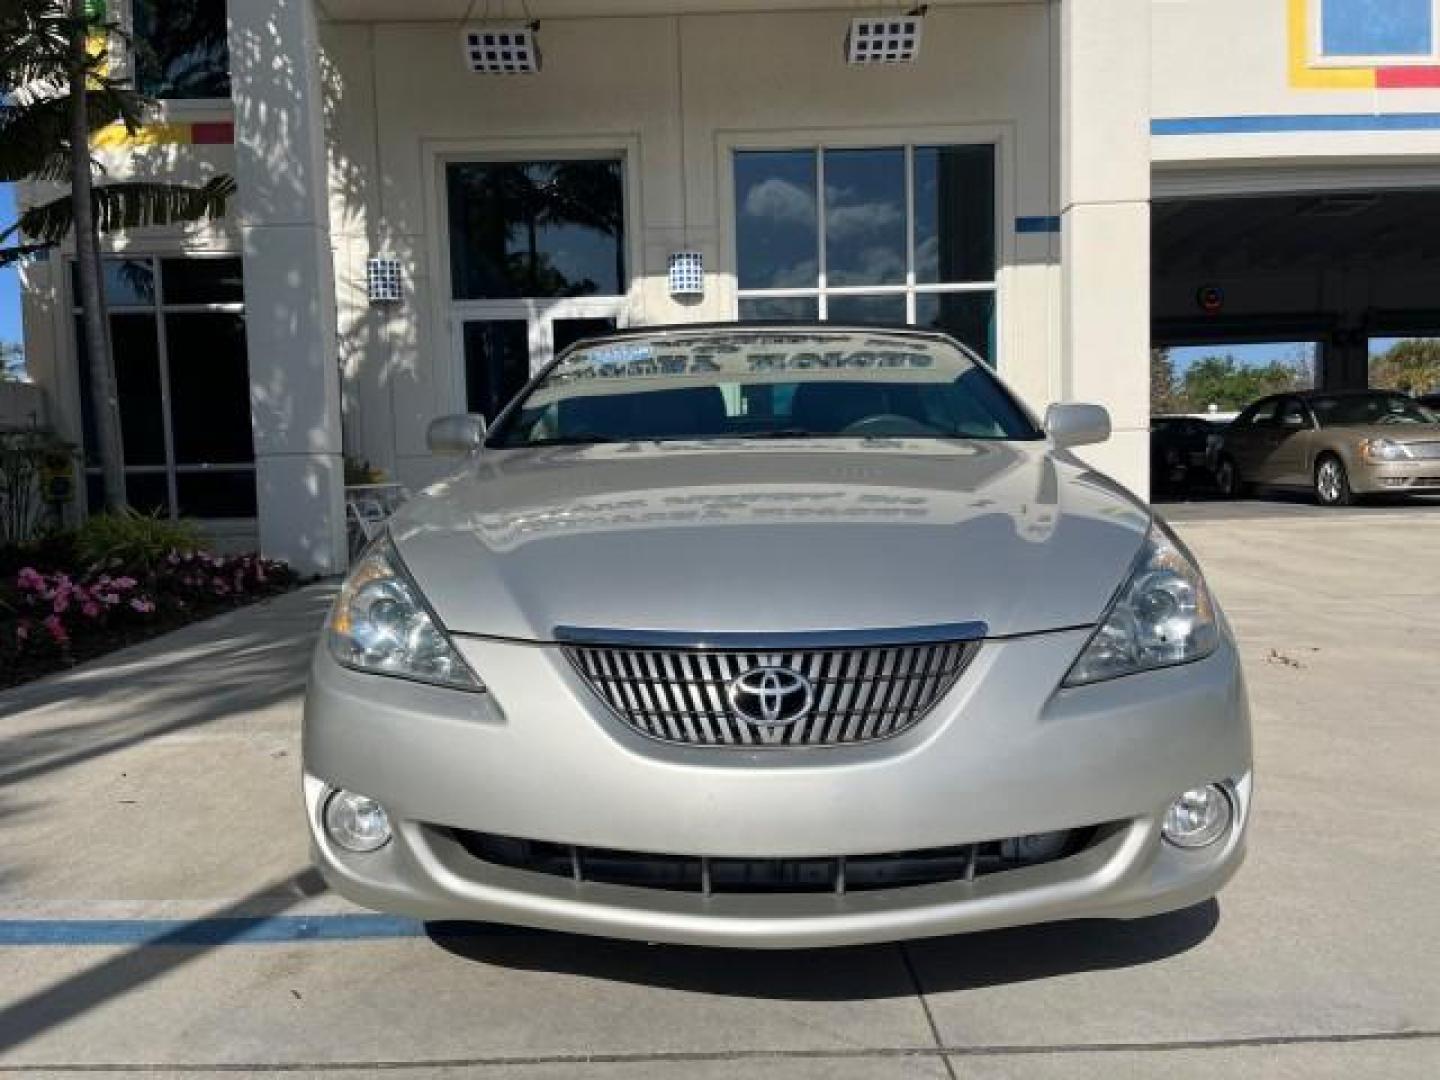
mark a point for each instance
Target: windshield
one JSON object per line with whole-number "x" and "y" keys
{"x": 1367, "y": 410}
{"x": 753, "y": 384}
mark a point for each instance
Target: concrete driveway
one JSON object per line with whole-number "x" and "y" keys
{"x": 156, "y": 911}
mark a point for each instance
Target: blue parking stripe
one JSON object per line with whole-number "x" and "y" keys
{"x": 205, "y": 932}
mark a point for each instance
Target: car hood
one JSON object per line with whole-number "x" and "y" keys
{"x": 733, "y": 537}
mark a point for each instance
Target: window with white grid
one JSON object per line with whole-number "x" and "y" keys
{"x": 879, "y": 235}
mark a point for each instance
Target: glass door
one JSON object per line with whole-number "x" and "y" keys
{"x": 537, "y": 259}
{"x": 501, "y": 349}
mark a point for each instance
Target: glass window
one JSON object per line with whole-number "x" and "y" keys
{"x": 965, "y": 316}
{"x": 779, "y": 309}
{"x": 885, "y": 310}
{"x": 209, "y": 388}
{"x": 218, "y": 494}
{"x": 777, "y": 220}
{"x": 181, "y": 48}
{"x": 865, "y": 217}
{"x": 127, "y": 282}
{"x": 954, "y": 213}
{"x": 184, "y": 386}
{"x": 1361, "y": 409}
{"x": 926, "y": 256}
{"x": 1377, "y": 28}
{"x": 497, "y": 363}
{"x": 536, "y": 229}
{"x": 202, "y": 281}
{"x": 136, "y": 349}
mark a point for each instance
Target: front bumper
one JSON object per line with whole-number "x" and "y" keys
{"x": 1395, "y": 477}
{"x": 1001, "y": 756}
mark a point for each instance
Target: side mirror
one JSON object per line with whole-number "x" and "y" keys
{"x": 1070, "y": 423}
{"x": 459, "y": 435}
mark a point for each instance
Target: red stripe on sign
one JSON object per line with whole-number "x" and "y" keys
{"x": 216, "y": 132}
{"x": 1399, "y": 78}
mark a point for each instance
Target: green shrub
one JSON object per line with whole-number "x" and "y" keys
{"x": 133, "y": 541}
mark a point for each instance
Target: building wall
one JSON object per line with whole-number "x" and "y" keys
{"x": 674, "y": 94}
{"x": 1239, "y": 85}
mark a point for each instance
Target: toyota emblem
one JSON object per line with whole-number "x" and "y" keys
{"x": 771, "y": 696}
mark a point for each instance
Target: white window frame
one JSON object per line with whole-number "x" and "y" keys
{"x": 449, "y": 315}
{"x": 1320, "y": 59}
{"x": 908, "y": 139}
{"x": 157, "y": 308}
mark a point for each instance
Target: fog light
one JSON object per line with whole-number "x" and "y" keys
{"x": 356, "y": 822}
{"x": 1198, "y": 818}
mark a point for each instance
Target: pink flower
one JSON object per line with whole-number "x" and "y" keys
{"x": 30, "y": 579}
{"x": 62, "y": 601}
{"x": 91, "y": 609}
{"x": 142, "y": 605}
{"x": 123, "y": 583}
{"x": 57, "y": 629}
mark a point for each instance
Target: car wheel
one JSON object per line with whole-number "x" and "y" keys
{"x": 1227, "y": 479}
{"x": 1332, "y": 484}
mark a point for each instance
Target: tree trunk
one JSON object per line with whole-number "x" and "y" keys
{"x": 94, "y": 315}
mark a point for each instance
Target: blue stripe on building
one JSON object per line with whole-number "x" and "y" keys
{"x": 1281, "y": 124}
{"x": 1037, "y": 224}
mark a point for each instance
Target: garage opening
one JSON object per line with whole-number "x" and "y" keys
{"x": 1265, "y": 294}
{"x": 1259, "y": 294}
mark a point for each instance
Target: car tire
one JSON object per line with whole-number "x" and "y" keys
{"x": 1227, "y": 479}
{"x": 1332, "y": 483}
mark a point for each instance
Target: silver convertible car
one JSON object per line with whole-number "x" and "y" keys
{"x": 775, "y": 636}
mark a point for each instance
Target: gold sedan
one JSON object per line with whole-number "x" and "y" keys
{"x": 1338, "y": 444}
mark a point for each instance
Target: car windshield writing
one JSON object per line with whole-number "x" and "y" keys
{"x": 1360, "y": 410}
{"x": 749, "y": 385}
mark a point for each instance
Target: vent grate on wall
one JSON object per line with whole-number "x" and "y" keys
{"x": 894, "y": 40}
{"x": 501, "y": 50}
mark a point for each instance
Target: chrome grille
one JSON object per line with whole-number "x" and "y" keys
{"x": 682, "y": 695}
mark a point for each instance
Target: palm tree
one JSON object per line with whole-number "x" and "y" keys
{"x": 56, "y": 90}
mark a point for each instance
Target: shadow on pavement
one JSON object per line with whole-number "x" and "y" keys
{"x": 114, "y": 978}
{"x": 962, "y": 962}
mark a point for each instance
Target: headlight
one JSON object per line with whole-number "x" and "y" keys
{"x": 381, "y": 624}
{"x": 1161, "y": 616}
{"x": 1380, "y": 451}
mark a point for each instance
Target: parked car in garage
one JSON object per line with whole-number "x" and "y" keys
{"x": 1183, "y": 452}
{"x": 1338, "y": 444}
{"x": 775, "y": 637}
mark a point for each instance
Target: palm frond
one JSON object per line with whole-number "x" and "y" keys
{"x": 35, "y": 136}
{"x": 131, "y": 205}
{"x": 11, "y": 255}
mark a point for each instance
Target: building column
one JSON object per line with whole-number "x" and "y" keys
{"x": 1104, "y": 105}
{"x": 289, "y": 283}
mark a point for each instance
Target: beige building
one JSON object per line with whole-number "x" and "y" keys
{"x": 413, "y": 237}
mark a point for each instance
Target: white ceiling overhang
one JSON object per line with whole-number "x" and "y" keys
{"x": 516, "y": 11}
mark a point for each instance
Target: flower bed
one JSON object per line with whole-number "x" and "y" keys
{"x": 53, "y": 615}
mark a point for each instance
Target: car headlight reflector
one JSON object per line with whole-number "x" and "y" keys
{"x": 1381, "y": 451}
{"x": 1162, "y": 615}
{"x": 381, "y": 624}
